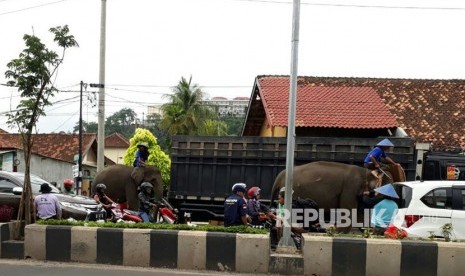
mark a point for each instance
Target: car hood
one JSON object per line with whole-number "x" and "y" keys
{"x": 76, "y": 199}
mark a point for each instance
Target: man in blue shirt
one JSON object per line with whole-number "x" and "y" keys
{"x": 376, "y": 155}
{"x": 142, "y": 155}
{"x": 235, "y": 206}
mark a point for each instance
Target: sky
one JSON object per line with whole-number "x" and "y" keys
{"x": 224, "y": 44}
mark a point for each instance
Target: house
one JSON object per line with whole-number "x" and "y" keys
{"x": 53, "y": 155}
{"x": 429, "y": 111}
{"x": 115, "y": 147}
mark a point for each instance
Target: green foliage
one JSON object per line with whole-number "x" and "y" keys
{"x": 234, "y": 124}
{"x": 153, "y": 123}
{"x": 367, "y": 233}
{"x": 123, "y": 121}
{"x": 87, "y": 127}
{"x": 156, "y": 158}
{"x": 32, "y": 73}
{"x": 143, "y": 225}
{"x": 213, "y": 128}
{"x": 184, "y": 113}
{"x": 446, "y": 231}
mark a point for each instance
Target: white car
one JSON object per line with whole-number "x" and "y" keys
{"x": 426, "y": 206}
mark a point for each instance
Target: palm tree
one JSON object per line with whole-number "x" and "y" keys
{"x": 184, "y": 113}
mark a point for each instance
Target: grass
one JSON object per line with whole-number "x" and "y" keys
{"x": 160, "y": 226}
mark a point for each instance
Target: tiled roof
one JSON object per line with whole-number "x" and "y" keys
{"x": 56, "y": 146}
{"x": 3, "y": 131}
{"x": 116, "y": 140}
{"x": 340, "y": 107}
{"x": 431, "y": 111}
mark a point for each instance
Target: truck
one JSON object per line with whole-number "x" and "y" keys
{"x": 203, "y": 169}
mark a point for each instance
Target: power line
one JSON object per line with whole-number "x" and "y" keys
{"x": 32, "y": 7}
{"x": 354, "y": 5}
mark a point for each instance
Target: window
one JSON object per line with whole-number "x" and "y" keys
{"x": 439, "y": 198}
{"x": 6, "y": 186}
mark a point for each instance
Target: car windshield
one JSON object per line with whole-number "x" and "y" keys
{"x": 36, "y": 182}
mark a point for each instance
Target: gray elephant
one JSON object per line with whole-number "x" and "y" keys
{"x": 330, "y": 184}
{"x": 122, "y": 182}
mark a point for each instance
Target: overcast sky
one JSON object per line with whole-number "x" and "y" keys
{"x": 225, "y": 44}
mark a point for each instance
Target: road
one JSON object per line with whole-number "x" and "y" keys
{"x": 38, "y": 268}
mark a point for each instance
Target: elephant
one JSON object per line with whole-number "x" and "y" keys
{"x": 331, "y": 185}
{"x": 122, "y": 182}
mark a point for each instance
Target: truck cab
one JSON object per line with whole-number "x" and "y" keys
{"x": 444, "y": 166}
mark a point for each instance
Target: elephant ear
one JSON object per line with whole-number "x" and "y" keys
{"x": 137, "y": 175}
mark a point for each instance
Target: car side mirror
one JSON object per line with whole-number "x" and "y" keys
{"x": 17, "y": 190}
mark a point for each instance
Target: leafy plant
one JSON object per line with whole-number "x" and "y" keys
{"x": 157, "y": 157}
{"x": 431, "y": 235}
{"x": 33, "y": 73}
{"x": 446, "y": 231}
{"x": 331, "y": 231}
{"x": 209, "y": 228}
{"x": 367, "y": 232}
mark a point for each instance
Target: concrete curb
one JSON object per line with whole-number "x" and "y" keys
{"x": 357, "y": 256}
{"x": 10, "y": 249}
{"x": 192, "y": 250}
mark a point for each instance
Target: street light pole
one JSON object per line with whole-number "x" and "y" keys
{"x": 286, "y": 243}
{"x": 101, "y": 100}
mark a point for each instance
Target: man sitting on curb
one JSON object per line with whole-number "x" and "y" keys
{"x": 47, "y": 205}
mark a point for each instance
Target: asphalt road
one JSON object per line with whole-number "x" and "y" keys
{"x": 38, "y": 268}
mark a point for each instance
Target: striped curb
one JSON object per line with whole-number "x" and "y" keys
{"x": 149, "y": 248}
{"x": 9, "y": 248}
{"x": 352, "y": 256}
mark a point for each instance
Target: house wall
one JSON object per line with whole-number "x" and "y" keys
{"x": 90, "y": 158}
{"x": 267, "y": 131}
{"x": 46, "y": 168}
{"x": 115, "y": 154}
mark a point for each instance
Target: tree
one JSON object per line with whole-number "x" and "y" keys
{"x": 156, "y": 158}
{"x": 32, "y": 74}
{"x": 184, "y": 113}
{"x": 235, "y": 125}
{"x": 123, "y": 121}
{"x": 87, "y": 127}
{"x": 213, "y": 128}
{"x": 153, "y": 124}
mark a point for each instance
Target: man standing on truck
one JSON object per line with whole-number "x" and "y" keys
{"x": 377, "y": 154}
{"x": 235, "y": 207}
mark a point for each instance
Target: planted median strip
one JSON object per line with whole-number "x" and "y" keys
{"x": 208, "y": 228}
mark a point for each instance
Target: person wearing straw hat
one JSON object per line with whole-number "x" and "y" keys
{"x": 373, "y": 160}
{"x": 142, "y": 154}
{"x": 385, "y": 210}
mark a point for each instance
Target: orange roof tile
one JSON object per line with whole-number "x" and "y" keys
{"x": 116, "y": 140}
{"x": 57, "y": 146}
{"x": 334, "y": 107}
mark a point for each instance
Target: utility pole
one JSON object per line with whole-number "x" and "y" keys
{"x": 79, "y": 178}
{"x": 286, "y": 243}
{"x": 101, "y": 92}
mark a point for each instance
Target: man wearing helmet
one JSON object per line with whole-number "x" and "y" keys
{"x": 68, "y": 187}
{"x": 146, "y": 201}
{"x": 235, "y": 206}
{"x": 257, "y": 211}
{"x": 103, "y": 199}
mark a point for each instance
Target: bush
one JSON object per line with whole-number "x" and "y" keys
{"x": 161, "y": 226}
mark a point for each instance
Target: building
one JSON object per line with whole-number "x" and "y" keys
{"x": 429, "y": 111}
{"x": 236, "y": 107}
{"x": 53, "y": 155}
{"x": 116, "y": 146}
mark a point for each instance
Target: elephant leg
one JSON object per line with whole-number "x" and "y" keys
{"x": 348, "y": 204}
{"x": 132, "y": 196}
